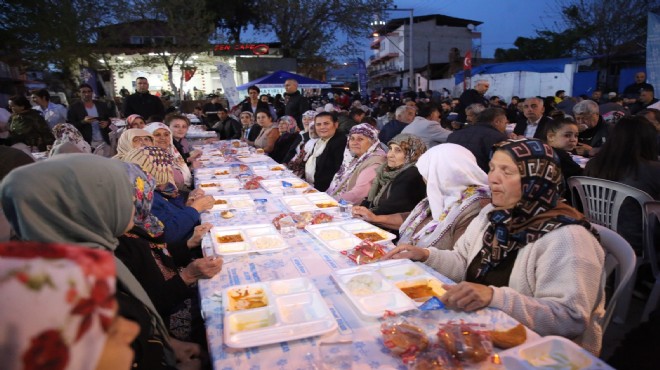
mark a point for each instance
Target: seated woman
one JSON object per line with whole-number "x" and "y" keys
{"x": 135, "y": 121}
{"x": 68, "y": 133}
{"x": 155, "y": 263}
{"x": 629, "y": 156}
{"x": 40, "y": 318}
{"x": 163, "y": 139}
{"x": 398, "y": 186}
{"x": 297, "y": 164}
{"x": 132, "y": 139}
{"x": 307, "y": 120}
{"x": 519, "y": 254}
{"x": 268, "y": 134}
{"x": 91, "y": 204}
{"x": 28, "y": 131}
{"x": 362, "y": 157}
{"x": 285, "y": 146}
{"x": 562, "y": 136}
{"x": 177, "y": 215}
{"x": 457, "y": 190}
{"x": 179, "y": 124}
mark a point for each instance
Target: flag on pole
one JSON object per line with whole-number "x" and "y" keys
{"x": 467, "y": 68}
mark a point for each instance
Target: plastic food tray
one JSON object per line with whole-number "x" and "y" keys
{"x": 383, "y": 292}
{"x": 310, "y": 202}
{"x": 274, "y": 186}
{"x": 341, "y": 236}
{"x": 260, "y": 238}
{"x": 240, "y": 201}
{"x": 293, "y": 309}
{"x": 551, "y": 352}
{"x": 220, "y": 185}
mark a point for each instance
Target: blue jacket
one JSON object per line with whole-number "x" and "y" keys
{"x": 179, "y": 220}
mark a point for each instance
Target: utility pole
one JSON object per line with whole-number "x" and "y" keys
{"x": 412, "y": 81}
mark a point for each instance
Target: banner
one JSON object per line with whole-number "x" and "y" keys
{"x": 362, "y": 76}
{"x": 88, "y": 76}
{"x": 467, "y": 68}
{"x": 653, "y": 50}
{"x": 228, "y": 84}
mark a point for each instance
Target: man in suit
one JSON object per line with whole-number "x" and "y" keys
{"x": 296, "y": 104}
{"x": 91, "y": 117}
{"x": 328, "y": 151}
{"x": 142, "y": 102}
{"x": 472, "y": 96}
{"x": 533, "y": 125}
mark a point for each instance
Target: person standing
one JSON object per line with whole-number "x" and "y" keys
{"x": 91, "y": 117}
{"x": 142, "y": 102}
{"x": 472, "y": 96}
{"x": 296, "y": 104}
{"x": 52, "y": 113}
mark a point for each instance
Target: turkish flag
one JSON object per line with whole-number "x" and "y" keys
{"x": 189, "y": 73}
{"x": 467, "y": 62}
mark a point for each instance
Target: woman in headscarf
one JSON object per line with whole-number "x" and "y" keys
{"x": 68, "y": 133}
{"x": 135, "y": 121}
{"x": 362, "y": 158}
{"x": 398, "y": 186}
{"x": 44, "y": 287}
{"x": 285, "y": 146}
{"x": 297, "y": 164}
{"x": 156, "y": 264}
{"x": 131, "y": 139}
{"x": 11, "y": 158}
{"x": 528, "y": 253}
{"x": 178, "y": 215}
{"x": 457, "y": 190}
{"x": 89, "y": 202}
{"x": 163, "y": 139}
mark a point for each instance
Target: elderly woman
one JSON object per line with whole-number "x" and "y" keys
{"x": 285, "y": 146}
{"x": 68, "y": 133}
{"x": 362, "y": 158}
{"x": 297, "y": 164}
{"x": 519, "y": 254}
{"x": 77, "y": 214}
{"x": 178, "y": 216}
{"x": 268, "y": 134}
{"x": 457, "y": 190}
{"x": 179, "y": 124}
{"x": 42, "y": 319}
{"x": 135, "y": 121}
{"x": 398, "y": 186}
{"x": 131, "y": 139}
{"x": 163, "y": 139}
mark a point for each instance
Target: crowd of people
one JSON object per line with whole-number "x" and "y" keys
{"x": 466, "y": 192}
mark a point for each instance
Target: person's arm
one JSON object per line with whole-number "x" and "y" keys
{"x": 237, "y": 129}
{"x": 178, "y": 222}
{"x": 392, "y": 222}
{"x": 438, "y": 134}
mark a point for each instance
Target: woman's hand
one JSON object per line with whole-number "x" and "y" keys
{"x": 203, "y": 203}
{"x": 187, "y": 354}
{"x": 201, "y": 268}
{"x": 194, "y": 154}
{"x": 466, "y": 296}
{"x": 583, "y": 149}
{"x": 198, "y": 234}
{"x": 364, "y": 213}
{"x": 196, "y": 193}
{"x": 408, "y": 251}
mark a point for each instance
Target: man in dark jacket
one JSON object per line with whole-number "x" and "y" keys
{"x": 142, "y": 102}
{"x": 227, "y": 127}
{"x": 532, "y": 126}
{"x": 91, "y": 117}
{"x": 472, "y": 96}
{"x": 328, "y": 152}
{"x": 480, "y": 137}
{"x": 296, "y": 104}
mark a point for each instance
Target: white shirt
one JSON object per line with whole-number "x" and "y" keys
{"x": 53, "y": 114}
{"x": 530, "y": 130}
{"x": 310, "y": 165}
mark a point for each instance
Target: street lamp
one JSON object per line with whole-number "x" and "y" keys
{"x": 410, "y": 47}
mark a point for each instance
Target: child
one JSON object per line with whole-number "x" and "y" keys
{"x": 562, "y": 136}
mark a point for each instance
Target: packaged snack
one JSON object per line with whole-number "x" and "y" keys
{"x": 468, "y": 343}
{"x": 509, "y": 338}
{"x": 365, "y": 252}
{"x": 402, "y": 338}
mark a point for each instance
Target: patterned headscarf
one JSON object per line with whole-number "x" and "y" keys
{"x": 131, "y": 118}
{"x": 292, "y": 127}
{"x": 143, "y": 200}
{"x": 125, "y": 143}
{"x": 537, "y": 212}
{"x": 310, "y": 114}
{"x": 58, "y": 302}
{"x": 413, "y": 147}
{"x": 67, "y": 133}
{"x": 157, "y": 163}
{"x": 340, "y": 181}
{"x": 179, "y": 163}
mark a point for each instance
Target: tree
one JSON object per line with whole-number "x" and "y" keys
{"x": 235, "y": 16}
{"x": 547, "y": 45}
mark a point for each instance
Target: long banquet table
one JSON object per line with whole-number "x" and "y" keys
{"x": 355, "y": 344}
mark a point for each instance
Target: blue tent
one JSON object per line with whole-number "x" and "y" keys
{"x": 276, "y": 80}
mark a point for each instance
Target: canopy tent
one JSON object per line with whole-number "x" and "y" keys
{"x": 276, "y": 80}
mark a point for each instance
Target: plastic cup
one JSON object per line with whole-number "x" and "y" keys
{"x": 260, "y": 206}
{"x": 345, "y": 209}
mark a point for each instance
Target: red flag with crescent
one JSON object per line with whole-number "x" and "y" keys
{"x": 189, "y": 73}
{"x": 467, "y": 62}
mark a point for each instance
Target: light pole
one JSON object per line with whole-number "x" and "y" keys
{"x": 410, "y": 47}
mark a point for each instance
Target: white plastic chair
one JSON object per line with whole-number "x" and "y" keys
{"x": 619, "y": 258}
{"x": 601, "y": 202}
{"x": 652, "y": 212}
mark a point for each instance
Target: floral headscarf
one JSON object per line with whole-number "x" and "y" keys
{"x": 67, "y": 133}
{"x": 536, "y": 213}
{"x": 340, "y": 181}
{"x": 131, "y": 118}
{"x": 156, "y": 162}
{"x": 413, "y": 147}
{"x": 179, "y": 163}
{"x": 292, "y": 127}
{"x": 143, "y": 200}
{"x": 57, "y": 305}
{"x": 125, "y": 143}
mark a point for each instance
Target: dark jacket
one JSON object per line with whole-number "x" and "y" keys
{"x": 328, "y": 163}
{"x": 255, "y": 130}
{"x": 595, "y": 136}
{"x": 144, "y": 104}
{"x": 285, "y": 147}
{"x": 467, "y": 98}
{"x": 521, "y": 126}
{"x": 404, "y": 192}
{"x": 296, "y": 106}
{"x": 568, "y": 169}
{"x": 30, "y": 128}
{"x": 390, "y": 130}
{"x": 479, "y": 139}
{"x": 212, "y": 118}
{"x": 228, "y": 129}
{"x": 77, "y": 114}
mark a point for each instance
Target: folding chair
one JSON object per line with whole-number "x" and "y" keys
{"x": 652, "y": 212}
